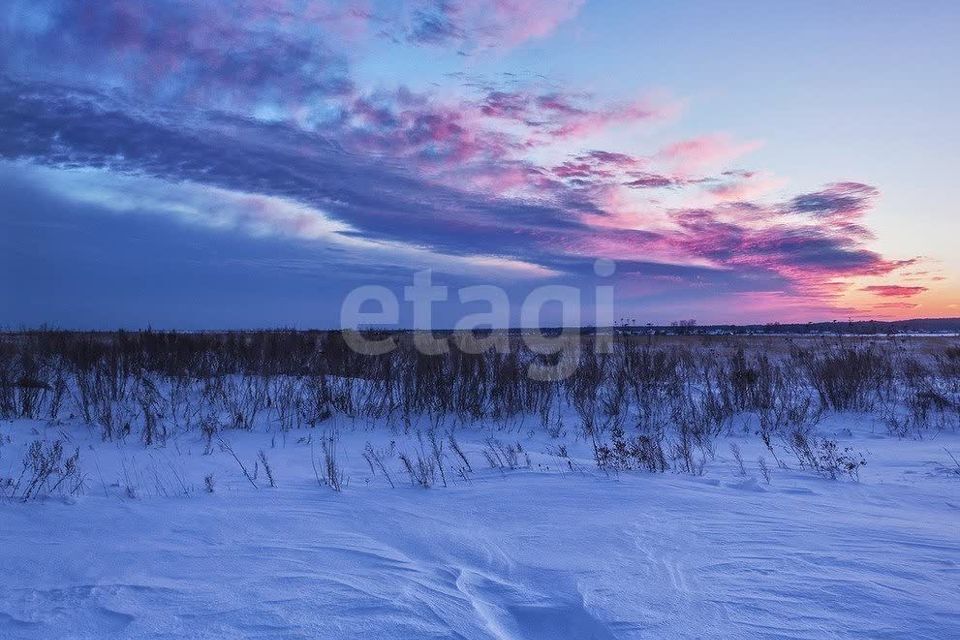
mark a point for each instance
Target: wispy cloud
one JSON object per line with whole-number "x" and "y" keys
{"x": 485, "y": 23}
{"x": 704, "y": 153}
{"x": 893, "y": 290}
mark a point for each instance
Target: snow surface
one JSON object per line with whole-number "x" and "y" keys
{"x": 541, "y": 553}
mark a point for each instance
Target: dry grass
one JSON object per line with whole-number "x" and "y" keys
{"x": 647, "y": 402}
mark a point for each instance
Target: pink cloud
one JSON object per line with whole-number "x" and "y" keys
{"x": 558, "y": 115}
{"x": 521, "y": 20}
{"x": 622, "y": 160}
{"x": 596, "y": 166}
{"x": 745, "y": 185}
{"x": 893, "y": 290}
{"x": 696, "y": 155}
{"x": 585, "y": 123}
{"x": 486, "y": 23}
{"x": 895, "y": 306}
{"x": 651, "y": 181}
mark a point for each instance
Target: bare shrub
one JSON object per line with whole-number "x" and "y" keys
{"x": 180, "y": 400}
{"x": 848, "y": 378}
{"x": 316, "y": 401}
{"x": 149, "y": 400}
{"x": 505, "y": 457}
{"x": 738, "y": 458}
{"x": 644, "y": 451}
{"x": 436, "y": 450}
{"x": 788, "y": 406}
{"x": 646, "y": 403}
{"x": 208, "y": 429}
{"x": 420, "y": 468}
{"x": 262, "y": 457}
{"x": 825, "y": 457}
{"x": 375, "y": 458}
{"x": 458, "y": 451}
{"x": 764, "y": 469}
{"x": 243, "y": 398}
{"x": 283, "y": 396}
{"x": 924, "y": 401}
{"x": 225, "y": 446}
{"x": 331, "y": 472}
{"x": 47, "y": 471}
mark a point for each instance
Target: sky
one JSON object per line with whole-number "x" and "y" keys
{"x": 199, "y": 164}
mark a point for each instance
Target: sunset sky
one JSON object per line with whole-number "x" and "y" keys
{"x": 207, "y": 164}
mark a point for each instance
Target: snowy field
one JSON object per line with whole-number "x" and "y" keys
{"x": 553, "y": 548}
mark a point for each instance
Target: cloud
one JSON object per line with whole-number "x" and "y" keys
{"x": 744, "y": 185}
{"x": 381, "y": 199}
{"x": 247, "y": 117}
{"x": 893, "y": 290}
{"x": 388, "y": 178}
{"x": 249, "y": 55}
{"x": 596, "y": 166}
{"x": 841, "y": 205}
{"x": 894, "y": 306}
{"x": 485, "y": 23}
{"x": 838, "y": 200}
{"x": 435, "y": 23}
{"x": 257, "y": 216}
{"x": 561, "y": 115}
{"x": 697, "y": 155}
{"x": 809, "y": 256}
{"x": 642, "y": 180}
{"x": 621, "y": 160}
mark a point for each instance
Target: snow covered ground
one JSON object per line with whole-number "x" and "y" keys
{"x": 556, "y": 550}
